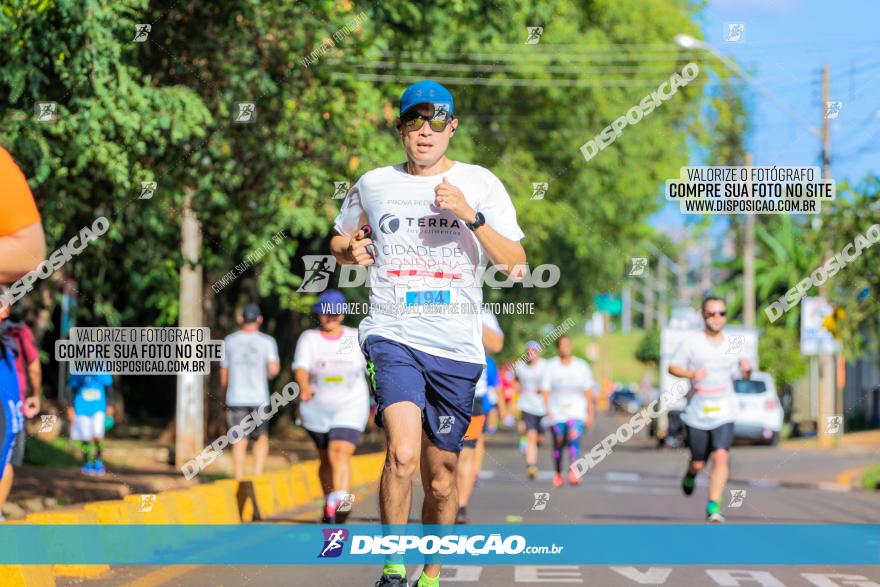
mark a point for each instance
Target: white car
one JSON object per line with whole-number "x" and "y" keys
{"x": 760, "y": 413}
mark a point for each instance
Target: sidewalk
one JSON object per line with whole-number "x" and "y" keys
{"x": 134, "y": 467}
{"x": 862, "y": 445}
{"x": 865, "y": 440}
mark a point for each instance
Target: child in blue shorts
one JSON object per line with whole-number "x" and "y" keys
{"x": 89, "y": 416}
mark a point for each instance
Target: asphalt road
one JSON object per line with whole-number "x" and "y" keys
{"x": 637, "y": 484}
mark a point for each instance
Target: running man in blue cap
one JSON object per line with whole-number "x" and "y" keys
{"x": 436, "y": 224}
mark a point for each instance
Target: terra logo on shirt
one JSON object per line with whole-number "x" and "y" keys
{"x": 389, "y": 223}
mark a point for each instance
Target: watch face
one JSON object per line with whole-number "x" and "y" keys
{"x": 478, "y": 221}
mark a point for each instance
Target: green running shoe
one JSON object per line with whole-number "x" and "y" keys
{"x": 688, "y": 483}
{"x": 713, "y": 513}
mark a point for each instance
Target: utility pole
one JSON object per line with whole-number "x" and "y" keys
{"x": 648, "y": 300}
{"x": 681, "y": 284}
{"x": 189, "y": 433}
{"x": 663, "y": 277}
{"x": 826, "y": 360}
{"x": 749, "y": 264}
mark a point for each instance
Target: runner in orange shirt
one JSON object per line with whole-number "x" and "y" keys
{"x": 22, "y": 248}
{"x": 22, "y": 244}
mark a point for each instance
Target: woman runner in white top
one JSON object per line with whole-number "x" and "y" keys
{"x": 329, "y": 368}
{"x": 567, "y": 387}
{"x": 529, "y": 376}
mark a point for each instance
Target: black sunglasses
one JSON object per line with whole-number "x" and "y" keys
{"x": 722, "y": 313}
{"x": 437, "y": 118}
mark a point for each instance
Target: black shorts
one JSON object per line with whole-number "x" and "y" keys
{"x": 703, "y": 442}
{"x": 322, "y": 439}
{"x": 533, "y": 422}
{"x": 234, "y": 416}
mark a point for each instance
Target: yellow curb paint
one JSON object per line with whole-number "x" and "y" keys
{"x": 849, "y": 477}
{"x": 26, "y": 576}
{"x": 222, "y": 507}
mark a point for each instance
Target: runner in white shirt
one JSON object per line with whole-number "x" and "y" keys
{"x": 330, "y": 370}
{"x": 435, "y": 222}
{"x": 529, "y": 376}
{"x": 249, "y": 361}
{"x": 470, "y": 461}
{"x": 706, "y": 359}
{"x": 569, "y": 391}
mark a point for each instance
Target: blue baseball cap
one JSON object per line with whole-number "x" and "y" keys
{"x": 330, "y": 302}
{"x": 427, "y": 91}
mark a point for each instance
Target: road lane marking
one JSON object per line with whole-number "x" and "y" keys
{"x": 623, "y": 476}
{"x": 162, "y": 576}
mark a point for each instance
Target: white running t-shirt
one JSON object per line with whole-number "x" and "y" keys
{"x": 487, "y": 320}
{"x": 530, "y": 376}
{"x": 247, "y": 356}
{"x": 421, "y": 251}
{"x": 336, "y": 368}
{"x": 714, "y": 400}
{"x": 566, "y": 384}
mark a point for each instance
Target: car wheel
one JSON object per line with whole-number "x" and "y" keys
{"x": 774, "y": 440}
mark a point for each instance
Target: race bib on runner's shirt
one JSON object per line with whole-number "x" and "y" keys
{"x": 422, "y": 299}
{"x": 91, "y": 395}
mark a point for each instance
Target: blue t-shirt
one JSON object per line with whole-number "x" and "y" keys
{"x": 90, "y": 393}
{"x": 492, "y": 379}
{"x": 11, "y": 401}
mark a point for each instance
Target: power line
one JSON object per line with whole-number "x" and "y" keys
{"x": 507, "y": 82}
{"x": 574, "y": 57}
{"x": 496, "y": 68}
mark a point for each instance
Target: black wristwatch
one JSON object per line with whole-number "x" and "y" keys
{"x": 478, "y": 222}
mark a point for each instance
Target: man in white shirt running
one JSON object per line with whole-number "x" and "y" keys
{"x": 435, "y": 223}
{"x": 470, "y": 460}
{"x": 529, "y": 376}
{"x": 568, "y": 388}
{"x": 250, "y": 360}
{"x": 707, "y": 361}
{"x": 330, "y": 370}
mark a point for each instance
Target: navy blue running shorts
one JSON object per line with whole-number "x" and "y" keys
{"x": 442, "y": 388}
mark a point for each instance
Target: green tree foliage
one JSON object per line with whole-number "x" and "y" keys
{"x": 856, "y": 287}
{"x": 115, "y": 128}
{"x": 325, "y": 77}
{"x": 648, "y": 350}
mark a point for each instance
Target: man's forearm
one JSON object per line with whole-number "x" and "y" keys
{"x": 492, "y": 340}
{"x": 680, "y": 372}
{"x": 339, "y": 246}
{"x": 35, "y": 378}
{"x": 502, "y": 251}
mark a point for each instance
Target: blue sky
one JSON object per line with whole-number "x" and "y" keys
{"x": 786, "y": 42}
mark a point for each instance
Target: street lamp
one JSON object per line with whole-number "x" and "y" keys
{"x": 690, "y": 43}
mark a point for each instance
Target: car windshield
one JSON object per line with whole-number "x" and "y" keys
{"x": 749, "y": 386}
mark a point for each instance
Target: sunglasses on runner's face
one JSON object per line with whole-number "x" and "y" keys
{"x": 437, "y": 119}
{"x": 722, "y": 313}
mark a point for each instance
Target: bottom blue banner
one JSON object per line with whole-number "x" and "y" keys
{"x": 285, "y": 544}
